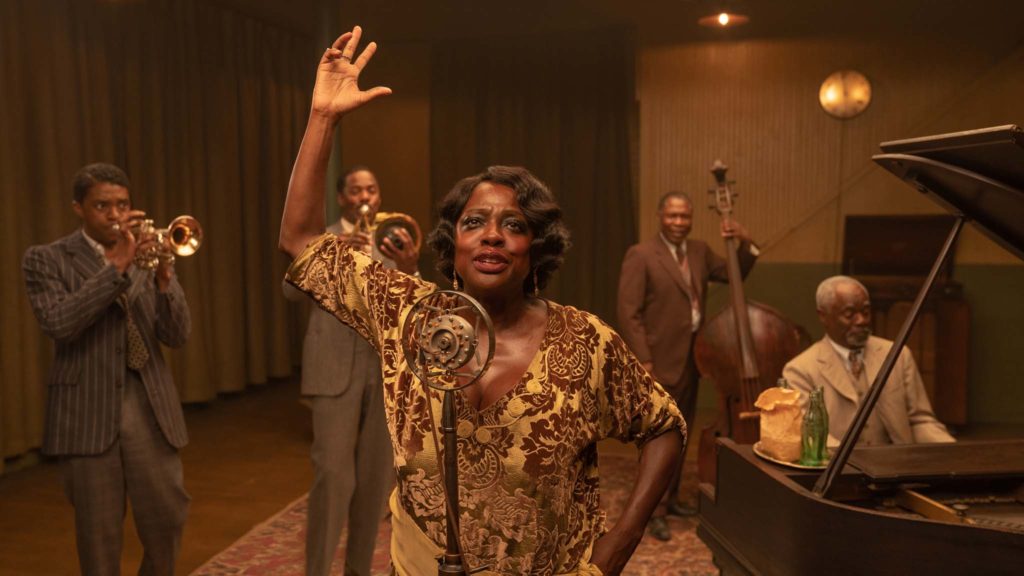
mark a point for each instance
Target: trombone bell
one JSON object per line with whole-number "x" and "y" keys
{"x": 386, "y": 225}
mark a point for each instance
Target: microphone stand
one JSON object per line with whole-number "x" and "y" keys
{"x": 438, "y": 341}
{"x": 451, "y": 562}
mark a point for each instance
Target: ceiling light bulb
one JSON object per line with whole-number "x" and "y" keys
{"x": 723, "y": 20}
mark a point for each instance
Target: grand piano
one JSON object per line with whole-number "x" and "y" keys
{"x": 904, "y": 509}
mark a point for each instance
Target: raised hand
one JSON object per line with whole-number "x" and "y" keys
{"x": 335, "y": 93}
{"x": 337, "y": 77}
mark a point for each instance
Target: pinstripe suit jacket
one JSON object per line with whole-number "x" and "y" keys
{"x": 74, "y": 297}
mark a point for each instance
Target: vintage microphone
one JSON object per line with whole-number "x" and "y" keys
{"x": 438, "y": 341}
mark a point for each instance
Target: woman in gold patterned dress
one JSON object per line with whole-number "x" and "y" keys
{"x": 560, "y": 380}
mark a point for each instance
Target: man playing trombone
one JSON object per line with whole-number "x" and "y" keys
{"x": 113, "y": 416}
{"x": 351, "y": 452}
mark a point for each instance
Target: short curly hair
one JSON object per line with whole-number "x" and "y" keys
{"x": 340, "y": 184}
{"x": 543, "y": 216}
{"x": 93, "y": 174}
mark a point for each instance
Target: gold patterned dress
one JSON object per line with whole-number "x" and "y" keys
{"x": 529, "y": 498}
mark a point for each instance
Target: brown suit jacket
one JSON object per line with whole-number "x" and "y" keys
{"x": 74, "y": 297}
{"x": 653, "y": 306}
{"x": 903, "y": 407}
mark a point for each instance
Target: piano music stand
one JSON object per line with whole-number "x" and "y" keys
{"x": 954, "y": 170}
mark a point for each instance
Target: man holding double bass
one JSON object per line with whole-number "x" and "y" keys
{"x": 661, "y": 303}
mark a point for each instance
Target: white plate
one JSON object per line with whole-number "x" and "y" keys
{"x": 797, "y": 465}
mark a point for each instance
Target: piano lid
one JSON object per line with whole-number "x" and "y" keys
{"x": 958, "y": 171}
{"x": 977, "y": 173}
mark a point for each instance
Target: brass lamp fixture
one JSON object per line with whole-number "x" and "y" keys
{"x": 845, "y": 94}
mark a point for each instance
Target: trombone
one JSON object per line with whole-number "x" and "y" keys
{"x": 182, "y": 237}
{"x": 385, "y": 225}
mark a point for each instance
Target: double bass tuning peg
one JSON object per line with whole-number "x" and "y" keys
{"x": 722, "y": 194}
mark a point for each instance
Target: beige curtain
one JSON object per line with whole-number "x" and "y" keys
{"x": 561, "y": 106}
{"x": 204, "y": 108}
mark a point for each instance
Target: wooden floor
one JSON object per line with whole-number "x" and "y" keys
{"x": 248, "y": 458}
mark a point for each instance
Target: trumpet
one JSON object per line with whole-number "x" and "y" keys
{"x": 385, "y": 225}
{"x": 182, "y": 237}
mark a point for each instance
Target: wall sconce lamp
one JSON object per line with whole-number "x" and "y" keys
{"x": 845, "y": 94}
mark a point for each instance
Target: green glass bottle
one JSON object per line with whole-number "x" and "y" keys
{"x": 814, "y": 436}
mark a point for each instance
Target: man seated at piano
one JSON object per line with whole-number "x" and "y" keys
{"x": 845, "y": 363}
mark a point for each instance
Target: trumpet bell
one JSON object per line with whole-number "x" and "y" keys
{"x": 184, "y": 236}
{"x": 387, "y": 225}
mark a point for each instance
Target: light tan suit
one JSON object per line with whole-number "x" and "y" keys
{"x": 351, "y": 452}
{"x": 903, "y": 408}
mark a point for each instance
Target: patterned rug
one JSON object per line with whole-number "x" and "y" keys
{"x": 275, "y": 547}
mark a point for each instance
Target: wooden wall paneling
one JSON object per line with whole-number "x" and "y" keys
{"x": 754, "y": 104}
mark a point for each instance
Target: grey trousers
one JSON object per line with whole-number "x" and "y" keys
{"x": 141, "y": 466}
{"x": 353, "y": 474}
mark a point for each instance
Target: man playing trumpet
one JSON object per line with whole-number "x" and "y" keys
{"x": 113, "y": 417}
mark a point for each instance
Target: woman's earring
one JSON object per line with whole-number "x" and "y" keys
{"x": 536, "y": 285}
{"x": 455, "y": 281}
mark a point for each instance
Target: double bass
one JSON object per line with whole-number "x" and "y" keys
{"x": 742, "y": 349}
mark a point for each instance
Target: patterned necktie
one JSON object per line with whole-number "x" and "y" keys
{"x": 856, "y": 362}
{"x": 684, "y": 268}
{"x": 138, "y": 354}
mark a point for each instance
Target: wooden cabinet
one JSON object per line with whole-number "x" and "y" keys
{"x": 892, "y": 255}
{"x": 939, "y": 341}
